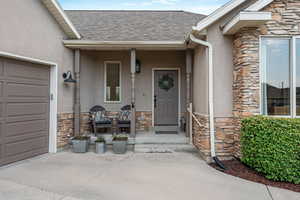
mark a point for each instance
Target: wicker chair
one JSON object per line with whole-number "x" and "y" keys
{"x": 124, "y": 119}
{"x": 98, "y": 119}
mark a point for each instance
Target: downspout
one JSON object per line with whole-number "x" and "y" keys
{"x": 210, "y": 97}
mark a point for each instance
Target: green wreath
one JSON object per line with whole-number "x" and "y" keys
{"x": 166, "y": 82}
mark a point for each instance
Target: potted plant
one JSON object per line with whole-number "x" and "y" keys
{"x": 100, "y": 145}
{"x": 80, "y": 144}
{"x": 120, "y": 144}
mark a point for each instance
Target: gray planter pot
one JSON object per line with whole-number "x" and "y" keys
{"x": 80, "y": 146}
{"x": 120, "y": 147}
{"x": 100, "y": 147}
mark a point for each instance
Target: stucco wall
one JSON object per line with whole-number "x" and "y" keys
{"x": 27, "y": 29}
{"x": 200, "y": 81}
{"x": 223, "y": 63}
{"x": 92, "y": 77}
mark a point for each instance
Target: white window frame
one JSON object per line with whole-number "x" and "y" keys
{"x": 105, "y": 78}
{"x": 293, "y": 103}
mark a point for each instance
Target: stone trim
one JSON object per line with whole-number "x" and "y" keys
{"x": 65, "y": 127}
{"x": 224, "y": 136}
{"x": 201, "y": 137}
{"x": 143, "y": 120}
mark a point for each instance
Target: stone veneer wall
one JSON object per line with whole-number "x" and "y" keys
{"x": 224, "y": 137}
{"x": 65, "y": 126}
{"x": 143, "y": 120}
{"x": 246, "y": 83}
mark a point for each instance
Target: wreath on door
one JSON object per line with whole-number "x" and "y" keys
{"x": 166, "y": 82}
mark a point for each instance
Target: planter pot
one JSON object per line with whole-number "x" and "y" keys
{"x": 120, "y": 147}
{"x": 80, "y": 146}
{"x": 100, "y": 147}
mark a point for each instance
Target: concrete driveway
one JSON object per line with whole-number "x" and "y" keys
{"x": 176, "y": 176}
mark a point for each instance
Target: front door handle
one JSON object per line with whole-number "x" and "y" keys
{"x": 155, "y": 101}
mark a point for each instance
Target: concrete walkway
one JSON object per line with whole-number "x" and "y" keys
{"x": 176, "y": 176}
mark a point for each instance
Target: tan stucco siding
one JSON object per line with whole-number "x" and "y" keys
{"x": 92, "y": 77}
{"x": 27, "y": 29}
{"x": 200, "y": 81}
{"x": 223, "y": 68}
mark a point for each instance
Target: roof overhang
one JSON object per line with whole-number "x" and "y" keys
{"x": 260, "y": 4}
{"x": 61, "y": 18}
{"x": 125, "y": 45}
{"x": 228, "y": 7}
{"x": 246, "y": 19}
{"x": 216, "y": 15}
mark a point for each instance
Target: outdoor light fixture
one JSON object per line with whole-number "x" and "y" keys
{"x": 68, "y": 77}
{"x": 138, "y": 66}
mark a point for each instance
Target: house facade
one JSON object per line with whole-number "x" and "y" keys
{"x": 241, "y": 60}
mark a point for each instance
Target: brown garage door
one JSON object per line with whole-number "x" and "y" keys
{"x": 24, "y": 110}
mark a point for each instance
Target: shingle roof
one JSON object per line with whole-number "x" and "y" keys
{"x": 103, "y": 25}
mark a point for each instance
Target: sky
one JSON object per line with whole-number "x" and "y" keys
{"x": 198, "y": 6}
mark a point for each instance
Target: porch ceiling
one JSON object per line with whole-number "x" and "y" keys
{"x": 125, "y": 45}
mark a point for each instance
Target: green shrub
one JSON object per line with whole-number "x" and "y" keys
{"x": 271, "y": 146}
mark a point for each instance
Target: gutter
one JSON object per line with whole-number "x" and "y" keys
{"x": 85, "y": 44}
{"x": 210, "y": 97}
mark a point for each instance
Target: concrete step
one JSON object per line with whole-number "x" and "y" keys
{"x": 163, "y": 148}
{"x": 162, "y": 140}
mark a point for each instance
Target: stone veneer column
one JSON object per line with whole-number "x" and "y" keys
{"x": 246, "y": 81}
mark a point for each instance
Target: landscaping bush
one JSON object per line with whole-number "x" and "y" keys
{"x": 271, "y": 146}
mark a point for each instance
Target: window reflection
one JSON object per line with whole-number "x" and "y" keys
{"x": 298, "y": 77}
{"x": 276, "y": 76}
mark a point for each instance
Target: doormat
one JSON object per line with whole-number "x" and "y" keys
{"x": 166, "y": 132}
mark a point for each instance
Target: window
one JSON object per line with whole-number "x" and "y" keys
{"x": 297, "y": 53}
{"x": 112, "y": 82}
{"x": 276, "y": 76}
{"x": 280, "y": 63}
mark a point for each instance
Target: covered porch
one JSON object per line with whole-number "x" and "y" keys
{"x": 154, "y": 80}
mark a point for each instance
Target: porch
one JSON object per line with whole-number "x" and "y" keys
{"x": 117, "y": 78}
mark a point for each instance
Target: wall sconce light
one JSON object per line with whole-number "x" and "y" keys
{"x": 68, "y": 77}
{"x": 138, "y": 66}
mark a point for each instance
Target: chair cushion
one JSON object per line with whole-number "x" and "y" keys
{"x": 125, "y": 115}
{"x": 100, "y": 117}
{"x": 104, "y": 122}
{"x": 124, "y": 122}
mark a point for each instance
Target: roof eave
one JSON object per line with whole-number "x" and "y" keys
{"x": 246, "y": 19}
{"x": 257, "y": 6}
{"x": 62, "y": 19}
{"x": 224, "y": 10}
{"x": 124, "y": 45}
{"x": 216, "y": 15}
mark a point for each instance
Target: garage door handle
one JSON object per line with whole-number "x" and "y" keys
{"x": 51, "y": 97}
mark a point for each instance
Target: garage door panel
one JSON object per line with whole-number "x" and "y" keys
{"x": 1, "y": 88}
{"x": 12, "y": 149}
{"x": 23, "y": 156}
{"x": 24, "y": 137}
{"x": 1, "y": 110}
{"x": 26, "y": 70}
{"x": 1, "y": 67}
{"x": 26, "y": 118}
{"x": 26, "y": 90}
{"x": 25, "y": 109}
{"x": 20, "y": 128}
